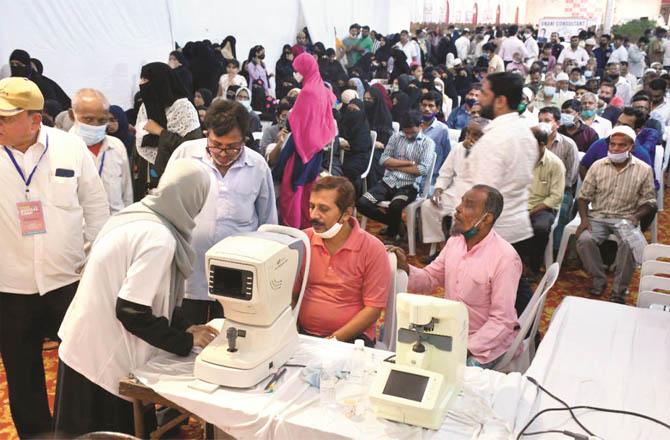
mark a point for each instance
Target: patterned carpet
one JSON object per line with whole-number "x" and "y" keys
{"x": 571, "y": 281}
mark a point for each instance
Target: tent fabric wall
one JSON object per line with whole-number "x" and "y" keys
{"x": 99, "y": 44}
{"x": 103, "y": 44}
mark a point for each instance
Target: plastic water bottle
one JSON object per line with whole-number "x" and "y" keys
{"x": 634, "y": 237}
{"x": 327, "y": 382}
{"x": 357, "y": 363}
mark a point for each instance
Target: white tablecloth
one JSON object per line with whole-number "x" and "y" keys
{"x": 608, "y": 355}
{"x": 485, "y": 410}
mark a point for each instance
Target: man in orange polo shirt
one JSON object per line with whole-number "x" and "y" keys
{"x": 349, "y": 274}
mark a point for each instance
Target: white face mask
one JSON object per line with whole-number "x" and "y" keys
{"x": 618, "y": 157}
{"x": 91, "y": 134}
{"x": 246, "y": 103}
{"x": 546, "y": 127}
{"x": 331, "y": 232}
{"x": 395, "y": 88}
{"x": 298, "y": 77}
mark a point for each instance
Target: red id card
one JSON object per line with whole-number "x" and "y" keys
{"x": 31, "y": 218}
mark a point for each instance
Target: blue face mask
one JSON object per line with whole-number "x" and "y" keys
{"x": 474, "y": 229}
{"x": 549, "y": 90}
{"x": 567, "y": 120}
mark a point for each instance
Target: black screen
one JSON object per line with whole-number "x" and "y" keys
{"x": 406, "y": 385}
{"x": 233, "y": 283}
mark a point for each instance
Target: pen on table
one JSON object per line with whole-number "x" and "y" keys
{"x": 276, "y": 377}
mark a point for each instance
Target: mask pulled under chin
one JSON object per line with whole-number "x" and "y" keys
{"x": 618, "y": 157}
{"x": 331, "y": 232}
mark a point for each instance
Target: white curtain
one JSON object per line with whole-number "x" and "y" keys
{"x": 104, "y": 43}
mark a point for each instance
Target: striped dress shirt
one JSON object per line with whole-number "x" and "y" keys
{"x": 420, "y": 150}
{"x": 618, "y": 194}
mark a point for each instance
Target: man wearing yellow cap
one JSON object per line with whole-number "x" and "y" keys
{"x": 50, "y": 188}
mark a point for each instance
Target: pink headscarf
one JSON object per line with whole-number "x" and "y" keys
{"x": 311, "y": 119}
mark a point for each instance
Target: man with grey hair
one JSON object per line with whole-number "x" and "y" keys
{"x": 601, "y": 125}
{"x": 90, "y": 113}
{"x": 479, "y": 268}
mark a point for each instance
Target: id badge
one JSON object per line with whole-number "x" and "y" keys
{"x": 31, "y": 218}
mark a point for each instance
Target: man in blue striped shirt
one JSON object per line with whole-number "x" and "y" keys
{"x": 407, "y": 157}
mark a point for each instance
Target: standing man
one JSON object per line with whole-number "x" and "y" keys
{"x": 351, "y": 45}
{"x": 241, "y": 196}
{"x": 90, "y": 111}
{"x": 505, "y": 156}
{"x": 511, "y": 45}
{"x": 462, "y": 44}
{"x": 620, "y": 53}
{"x": 602, "y": 54}
{"x": 434, "y": 129}
{"x": 532, "y": 48}
{"x": 50, "y": 188}
{"x": 409, "y": 46}
{"x": 574, "y": 52}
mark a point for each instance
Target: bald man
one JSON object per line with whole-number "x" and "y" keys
{"x": 90, "y": 113}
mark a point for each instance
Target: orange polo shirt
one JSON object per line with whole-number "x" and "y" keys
{"x": 340, "y": 285}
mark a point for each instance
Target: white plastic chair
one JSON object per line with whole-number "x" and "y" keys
{"x": 454, "y": 134}
{"x": 569, "y": 231}
{"x": 646, "y": 299}
{"x": 655, "y": 251}
{"x": 529, "y": 320}
{"x": 396, "y": 126}
{"x": 652, "y": 282}
{"x": 654, "y": 267}
{"x": 399, "y": 280}
{"x": 549, "y": 249}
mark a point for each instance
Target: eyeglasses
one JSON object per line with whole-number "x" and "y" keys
{"x": 229, "y": 149}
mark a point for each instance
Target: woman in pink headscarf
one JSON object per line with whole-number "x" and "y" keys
{"x": 312, "y": 128}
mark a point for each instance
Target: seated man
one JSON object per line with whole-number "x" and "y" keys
{"x": 643, "y": 136}
{"x": 545, "y": 195}
{"x": 407, "y": 156}
{"x": 349, "y": 274}
{"x": 479, "y": 268}
{"x": 573, "y": 127}
{"x": 459, "y": 117}
{"x": 454, "y": 180}
{"x": 619, "y": 187}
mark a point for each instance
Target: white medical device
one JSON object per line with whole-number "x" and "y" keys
{"x": 430, "y": 361}
{"x": 253, "y": 275}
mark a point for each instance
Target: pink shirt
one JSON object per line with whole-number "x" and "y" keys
{"x": 486, "y": 279}
{"x": 340, "y": 285}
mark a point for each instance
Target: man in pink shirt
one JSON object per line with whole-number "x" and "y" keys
{"x": 480, "y": 269}
{"x": 349, "y": 274}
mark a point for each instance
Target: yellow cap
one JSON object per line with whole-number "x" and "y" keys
{"x": 18, "y": 94}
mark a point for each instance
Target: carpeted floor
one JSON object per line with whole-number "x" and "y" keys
{"x": 571, "y": 281}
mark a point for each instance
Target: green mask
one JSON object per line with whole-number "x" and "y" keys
{"x": 521, "y": 108}
{"x": 587, "y": 114}
{"x": 475, "y": 229}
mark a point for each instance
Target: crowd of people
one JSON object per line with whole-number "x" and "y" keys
{"x": 513, "y": 135}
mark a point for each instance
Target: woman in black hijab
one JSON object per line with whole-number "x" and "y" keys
{"x": 380, "y": 120}
{"x": 205, "y": 68}
{"x": 21, "y": 64}
{"x": 400, "y": 65}
{"x": 179, "y": 64}
{"x": 284, "y": 71}
{"x": 354, "y": 133}
{"x": 165, "y": 120}
{"x": 401, "y": 105}
{"x": 228, "y": 48}
{"x": 202, "y": 98}
{"x": 382, "y": 56}
{"x": 333, "y": 72}
{"x": 409, "y": 85}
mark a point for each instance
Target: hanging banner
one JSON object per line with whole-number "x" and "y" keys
{"x": 566, "y": 27}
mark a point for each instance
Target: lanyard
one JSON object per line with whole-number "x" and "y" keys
{"x": 32, "y": 173}
{"x": 102, "y": 162}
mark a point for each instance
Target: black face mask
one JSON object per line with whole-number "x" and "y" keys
{"x": 369, "y": 105}
{"x": 614, "y": 77}
{"x": 261, "y": 56}
{"x": 606, "y": 100}
{"x": 657, "y": 100}
{"x": 23, "y": 71}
